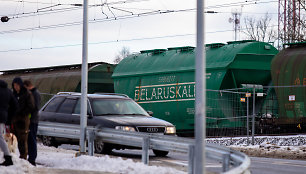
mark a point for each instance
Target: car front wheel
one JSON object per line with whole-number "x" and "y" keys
{"x": 102, "y": 148}
{"x": 49, "y": 141}
{"x": 160, "y": 153}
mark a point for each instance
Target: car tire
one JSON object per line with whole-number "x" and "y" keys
{"x": 49, "y": 141}
{"x": 160, "y": 153}
{"x": 102, "y": 148}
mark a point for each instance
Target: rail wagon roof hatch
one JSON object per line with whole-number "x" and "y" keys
{"x": 215, "y": 45}
{"x": 182, "y": 49}
{"x": 153, "y": 52}
{"x": 240, "y": 41}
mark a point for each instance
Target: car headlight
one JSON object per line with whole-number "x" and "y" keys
{"x": 125, "y": 128}
{"x": 170, "y": 130}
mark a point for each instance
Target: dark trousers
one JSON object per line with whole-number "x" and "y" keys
{"x": 21, "y": 130}
{"x": 32, "y": 143}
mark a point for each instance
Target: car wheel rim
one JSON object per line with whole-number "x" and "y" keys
{"x": 47, "y": 141}
{"x": 99, "y": 146}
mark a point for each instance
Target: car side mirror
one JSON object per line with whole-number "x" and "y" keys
{"x": 150, "y": 113}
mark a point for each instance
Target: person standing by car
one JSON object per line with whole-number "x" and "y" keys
{"x": 32, "y": 143}
{"x": 7, "y": 102}
{"x": 21, "y": 121}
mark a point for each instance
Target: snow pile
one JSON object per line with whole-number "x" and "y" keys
{"x": 290, "y": 147}
{"x": 50, "y": 157}
{"x": 65, "y": 159}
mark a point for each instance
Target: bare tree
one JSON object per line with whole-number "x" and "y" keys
{"x": 123, "y": 53}
{"x": 261, "y": 29}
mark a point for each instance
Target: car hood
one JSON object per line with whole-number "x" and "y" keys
{"x": 134, "y": 120}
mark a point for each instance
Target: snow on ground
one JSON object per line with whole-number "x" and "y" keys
{"x": 50, "y": 157}
{"x": 20, "y": 166}
{"x": 289, "y": 147}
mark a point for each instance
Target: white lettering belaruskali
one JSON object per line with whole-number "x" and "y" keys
{"x": 165, "y": 92}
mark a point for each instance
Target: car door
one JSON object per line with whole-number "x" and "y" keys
{"x": 64, "y": 113}
{"x": 48, "y": 113}
{"x": 77, "y": 110}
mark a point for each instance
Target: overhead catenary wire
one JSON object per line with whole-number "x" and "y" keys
{"x": 155, "y": 12}
{"x": 92, "y": 21}
{"x": 49, "y": 3}
{"x": 31, "y": 2}
{"x": 114, "y": 41}
{"x": 49, "y": 10}
{"x": 79, "y": 6}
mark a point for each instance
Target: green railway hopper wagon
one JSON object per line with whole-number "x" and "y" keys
{"x": 289, "y": 72}
{"x": 163, "y": 81}
{"x": 67, "y": 78}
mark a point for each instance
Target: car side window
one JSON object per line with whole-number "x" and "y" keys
{"x": 53, "y": 105}
{"x": 77, "y": 109}
{"x": 67, "y": 106}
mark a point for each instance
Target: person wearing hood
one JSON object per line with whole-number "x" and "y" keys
{"x": 7, "y": 103}
{"x": 21, "y": 120}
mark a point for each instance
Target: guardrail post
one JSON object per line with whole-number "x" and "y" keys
{"x": 248, "y": 127}
{"x": 225, "y": 162}
{"x": 253, "y": 118}
{"x": 91, "y": 139}
{"x": 145, "y": 150}
{"x": 191, "y": 159}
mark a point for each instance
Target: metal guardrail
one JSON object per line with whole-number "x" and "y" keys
{"x": 233, "y": 162}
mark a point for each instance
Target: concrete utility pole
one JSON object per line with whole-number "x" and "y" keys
{"x": 83, "y": 121}
{"x": 200, "y": 100}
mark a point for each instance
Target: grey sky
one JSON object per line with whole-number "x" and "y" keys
{"x": 106, "y": 38}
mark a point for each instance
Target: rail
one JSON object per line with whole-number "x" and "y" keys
{"x": 233, "y": 162}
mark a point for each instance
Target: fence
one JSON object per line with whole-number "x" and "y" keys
{"x": 226, "y": 113}
{"x": 233, "y": 162}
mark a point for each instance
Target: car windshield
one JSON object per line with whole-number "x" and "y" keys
{"x": 117, "y": 107}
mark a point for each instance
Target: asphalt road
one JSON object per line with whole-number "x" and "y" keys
{"x": 277, "y": 166}
{"x": 173, "y": 159}
{"x": 258, "y": 165}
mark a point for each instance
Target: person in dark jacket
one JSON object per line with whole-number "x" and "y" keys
{"x": 7, "y": 102}
{"x": 32, "y": 143}
{"x": 21, "y": 121}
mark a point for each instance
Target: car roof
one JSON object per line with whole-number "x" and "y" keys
{"x": 96, "y": 95}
